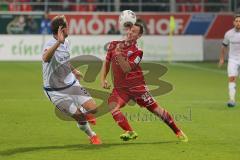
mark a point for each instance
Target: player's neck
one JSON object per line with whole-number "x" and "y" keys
{"x": 130, "y": 42}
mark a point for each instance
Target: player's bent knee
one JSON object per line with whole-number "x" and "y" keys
{"x": 90, "y": 106}
{"x": 232, "y": 79}
{"x": 113, "y": 106}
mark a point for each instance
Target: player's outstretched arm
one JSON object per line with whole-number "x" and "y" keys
{"x": 222, "y": 55}
{"x": 104, "y": 73}
{"x": 50, "y": 51}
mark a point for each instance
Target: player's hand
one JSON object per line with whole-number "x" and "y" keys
{"x": 77, "y": 74}
{"x": 220, "y": 63}
{"x": 60, "y": 35}
{"x": 105, "y": 84}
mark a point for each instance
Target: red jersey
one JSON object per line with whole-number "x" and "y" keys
{"x": 133, "y": 55}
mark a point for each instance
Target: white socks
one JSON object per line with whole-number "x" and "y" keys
{"x": 87, "y": 129}
{"x": 232, "y": 90}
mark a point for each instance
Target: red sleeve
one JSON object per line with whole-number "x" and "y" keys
{"x": 110, "y": 49}
{"x": 135, "y": 58}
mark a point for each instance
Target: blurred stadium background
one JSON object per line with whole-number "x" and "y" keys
{"x": 203, "y": 20}
{"x": 29, "y": 128}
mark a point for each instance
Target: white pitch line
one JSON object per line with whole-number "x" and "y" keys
{"x": 199, "y": 68}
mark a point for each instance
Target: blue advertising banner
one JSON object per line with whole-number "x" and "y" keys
{"x": 199, "y": 24}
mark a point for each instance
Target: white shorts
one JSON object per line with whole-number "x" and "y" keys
{"x": 233, "y": 68}
{"x": 68, "y": 100}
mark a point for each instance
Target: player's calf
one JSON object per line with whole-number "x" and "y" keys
{"x": 164, "y": 115}
{"x": 121, "y": 120}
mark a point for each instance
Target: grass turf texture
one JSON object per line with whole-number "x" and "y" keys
{"x": 29, "y": 128}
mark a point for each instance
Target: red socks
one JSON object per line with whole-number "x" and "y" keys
{"x": 121, "y": 120}
{"x": 166, "y": 117}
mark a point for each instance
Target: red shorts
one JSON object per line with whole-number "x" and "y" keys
{"x": 139, "y": 94}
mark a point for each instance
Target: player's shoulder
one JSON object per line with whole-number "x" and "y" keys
{"x": 67, "y": 41}
{"x": 139, "y": 48}
{"x": 50, "y": 42}
{"x": 112, "y": 44}
{"x": 230, "y": 32}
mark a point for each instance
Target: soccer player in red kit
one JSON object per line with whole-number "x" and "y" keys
{"x": 124, "y": 57}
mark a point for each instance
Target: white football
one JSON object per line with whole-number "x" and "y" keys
{"x": 127, "y": 18}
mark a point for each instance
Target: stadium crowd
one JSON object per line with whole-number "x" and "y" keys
{"x": 109, "y": 5}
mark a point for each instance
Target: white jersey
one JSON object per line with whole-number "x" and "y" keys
{"x": 61, "y": 56}
{"x": 232, "y": 39}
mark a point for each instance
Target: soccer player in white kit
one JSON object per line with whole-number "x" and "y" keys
{"x": 232, "y": 42}
{"x": 55, "y": 58}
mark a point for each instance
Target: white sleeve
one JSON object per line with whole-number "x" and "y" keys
{"x": 226, "y": 40}
{"x": 46, "y": 46}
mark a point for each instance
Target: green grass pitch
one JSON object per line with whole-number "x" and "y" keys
{"x": 30, "y": 130}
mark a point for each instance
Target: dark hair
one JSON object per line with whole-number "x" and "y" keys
{"x": 236, "y": 15}
{"x": 140, "y": 27}
{"x": 58, "y": 21}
